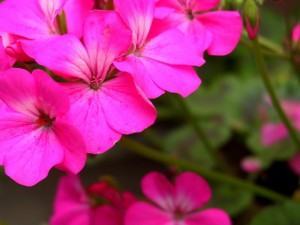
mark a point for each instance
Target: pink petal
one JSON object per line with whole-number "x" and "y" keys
{"x": 107, "y": 215}
{"x": 76, "y": 11}
{"x": 74, "y": 147}
{"x": 121, "y": 95}
{"x": 51, "y": 8}
{"x": 24, "y": 19}
{"x": 157, "y": 188}
{"x": 226, "y": 28}
{"x": 101, "y": 27}
{"x": 52, "y": 97}
{"x": 173, "y": 47}
{"x": 87, "y": 115}
{"x": 28, "y": 153}
{"x": 146, "y": 214}
{"x": 209, "y": 217}
{"x": 182, "y": 80}
{"x": 192, "y": 191}
{"x": 17, "y": 90}
{"x": 203, "y": 5}
{"x": 6, "y": 61}
{"x": 71, "y": 204}
{"x": 273, "y": 133}
{"x": 64, "y": 55}
{"x": 135, "y": 67}
{"x": 138, "y": 15}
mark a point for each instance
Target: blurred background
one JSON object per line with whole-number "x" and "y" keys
{"x": 231, "y": 106}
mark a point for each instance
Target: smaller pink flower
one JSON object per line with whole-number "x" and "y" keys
{"x": 296, "y": 34}
{"x": 251, "y": 164}
{"x": 272, "y": 133}
{"x": 294, "y": 164}
{"x": 100, "y": 204}
{"x": 175, "y": 204}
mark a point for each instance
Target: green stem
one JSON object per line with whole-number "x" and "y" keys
{"x": 262, "y": 67}
{"x": 196, "y": 124}
{"x": 168, "y": 160}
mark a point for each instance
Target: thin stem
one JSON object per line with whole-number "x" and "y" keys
{"x": 196, "y": 124}
{"x": 168, "y": 160}
{"x": 262, "y": 67}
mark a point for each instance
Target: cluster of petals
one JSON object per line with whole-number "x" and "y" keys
{"x": 172, "y": 204}
{"x": 99, "y": 204}
{"x": 181, "y": 202}
{"x": 109, "y": 63}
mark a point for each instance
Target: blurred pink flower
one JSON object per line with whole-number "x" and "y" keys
{"x": 220, "y": 30}
{"x": 251, "y": 164}
{"x": 272, "y": 133}
{"x": 160, "y": 59}
{"x": 101, "y": 204}
{"x": 35, "y": 134}
{"x": 296, "y": 33}
{"x": 176, "y": 203}
{"x": 35, "y": 19}
{"x": 294, "y": 164}
{"x": 105, "y": 104}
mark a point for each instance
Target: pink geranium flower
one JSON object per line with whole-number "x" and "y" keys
{"x": 160, "y": 59}
{"x": 220, "y": 30}
{"x": 100, "y": 204}
{"x": 272, "y": 133}
{"x": 104, "y": 103}
{"x": 175, "y": 204}
{"x": 35, "y": 19}
{"x": 35, "y": 134}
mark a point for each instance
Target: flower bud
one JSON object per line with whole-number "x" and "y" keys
{"x": 251, "y": 18}
{"x": 251, "y": 165}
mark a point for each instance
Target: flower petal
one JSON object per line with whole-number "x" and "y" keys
{"x": 173, "y": 47}
{"x": 273, "y": 133}
{"x": 107, "y": 215}
{"x": 226, "y": 28}
{"x": 146, "y": 214}
{"x": 71, "y": 204}
{"x": 192, "y": 191}
{"x": 158, "y": 189}
{"x": 101, "y": 27}
{"x": 51, "y": 8}
{"x": 121, "y": 95}
{"x": 87, "y": 115}
{"x": 6, "y": 61}
{"x": 203, "y": 5}
{"x": 64, "y": 55}
{"x": 138, "y": 15}
{"x": 209, "y": 217}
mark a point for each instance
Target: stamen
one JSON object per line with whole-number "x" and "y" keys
{"x": 45, "y": 120}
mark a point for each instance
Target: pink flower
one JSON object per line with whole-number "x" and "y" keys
{"x": 35, "y": 19}
{"x": 76, "y": 206}
{"x": 272, "y": 133}
{"x": 175, "y": 204}
{"x": 220, "y": 30}
{"x": 160, "y": 59}
{"x": 251, "y": 164}
{"x": 294, "y": 164}
{"x": 296, "y": 34}
{"x": 105, "y": 104}
{"x": 34, "y": 132}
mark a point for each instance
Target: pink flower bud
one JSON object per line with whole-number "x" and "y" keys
{"x": 251, "y": 164}
{"x": 294, "y": 164}
{"x": 251, "y": 18}
{"x": 296, "y": 34}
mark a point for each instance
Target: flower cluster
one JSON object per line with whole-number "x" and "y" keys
{"x": 172, "y": 204}
{"x": 94, "y": 72}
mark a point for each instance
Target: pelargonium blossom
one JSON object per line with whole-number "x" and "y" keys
{"x": 105, "y": 104}
{"x": 35, "y": 134}
{"x": 160, "y": 59}
{"x": 99, "y": 204}
{"x": 272, "y": 132}
{"x": 220, "y": 30}
{"x": 175, "y": 204}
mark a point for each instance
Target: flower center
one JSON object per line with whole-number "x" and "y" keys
{"x": 190, "y": 14}
{"x": 95, "y": 84}
{"x": 45, "y": 120}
